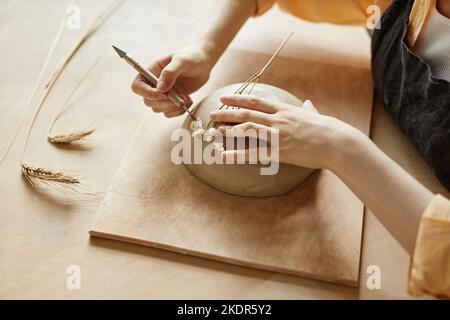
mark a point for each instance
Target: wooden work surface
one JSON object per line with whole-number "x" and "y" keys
{"x": 42, "y": 233}
{"x": 313, "y": 231}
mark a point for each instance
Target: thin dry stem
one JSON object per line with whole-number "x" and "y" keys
{"x": 89, "y": 32}
{"x": 254, "y": 79}
{"x": 35, "y": 88}
{"x": 263, "y": 69}
{"x": 74, "y": 136}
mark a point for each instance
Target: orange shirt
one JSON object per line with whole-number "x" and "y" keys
{"x": 348, "y": 12}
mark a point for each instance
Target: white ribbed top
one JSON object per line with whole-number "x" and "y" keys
{"x": 433, "y": 45}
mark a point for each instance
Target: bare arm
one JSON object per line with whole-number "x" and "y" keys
{"x": 188, "y": 68}
{"x": 227, "y": 19}
{"x": 394, "y": 196}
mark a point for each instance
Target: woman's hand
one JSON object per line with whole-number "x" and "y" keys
{"x": 306, "y": 138}
{"x": 185, "y": 70}
{"x": 312, "y": 140}
{"x": 188, "y": 69}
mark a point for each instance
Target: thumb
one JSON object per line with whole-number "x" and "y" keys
{"x": 170, "y": 74}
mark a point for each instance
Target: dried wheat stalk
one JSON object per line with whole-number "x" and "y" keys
{"x": 73, "y": 136}
{"x": 34, "y": 91}
{"x": 36, "y": 85}
{"x": 48, "y": 175}
{"x": 88, "y": 33}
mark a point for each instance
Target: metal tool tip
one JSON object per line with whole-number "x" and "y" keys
{"x": 119, "y": 52}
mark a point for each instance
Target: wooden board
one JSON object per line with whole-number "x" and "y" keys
{"x": 314, "y": 231}
{"x": 40, "y": 237}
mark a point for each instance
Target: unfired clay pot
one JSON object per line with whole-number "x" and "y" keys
{"x": 245, "y": 179}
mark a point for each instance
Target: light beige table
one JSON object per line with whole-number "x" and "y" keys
{"x": 42, "y": 232}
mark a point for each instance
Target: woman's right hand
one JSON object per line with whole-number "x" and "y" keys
{"x": 305, "y": 137}
{"x": 185, "y": 71}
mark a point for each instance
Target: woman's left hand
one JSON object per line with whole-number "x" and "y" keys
{"x": 306, "y": 138}
{"x": 309, "y": 139}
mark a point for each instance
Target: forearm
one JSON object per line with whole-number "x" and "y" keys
{"x": 227, "y": 18}
{"x": 394, "y": 196}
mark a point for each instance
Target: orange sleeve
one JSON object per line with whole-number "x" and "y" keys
{"x": 348, "y": 12}
{"x": 430, "y": 265}
{"x": 262, "y": 6}
{"x": 419, "y": 13}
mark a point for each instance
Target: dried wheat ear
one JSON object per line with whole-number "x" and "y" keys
{"x": 50, "y": 176}
{"x": 70, "y": 137}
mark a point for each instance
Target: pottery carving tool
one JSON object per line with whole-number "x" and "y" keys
{"x": 154, "y": 80}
